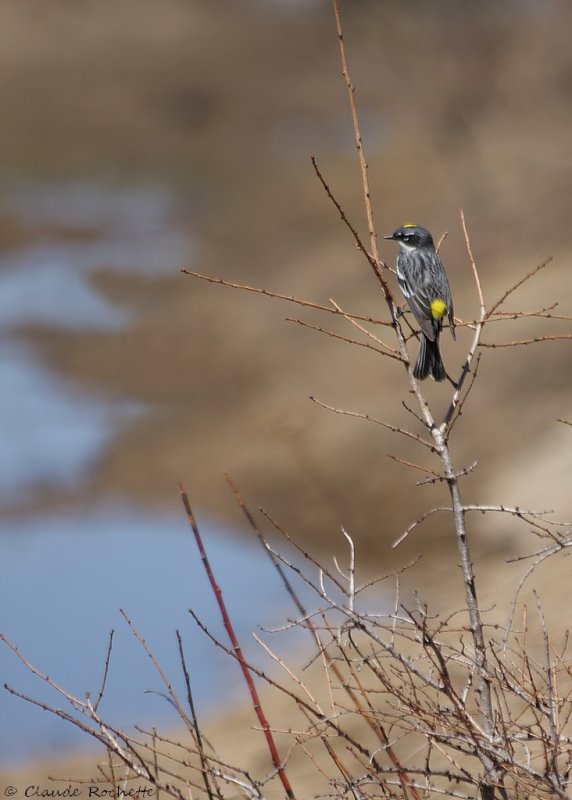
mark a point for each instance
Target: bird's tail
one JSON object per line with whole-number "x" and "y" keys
{"x": 429, "y": 361}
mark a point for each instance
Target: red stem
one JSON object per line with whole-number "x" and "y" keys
{"x": 237, "y": 649}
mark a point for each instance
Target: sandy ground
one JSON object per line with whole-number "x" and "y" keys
{"x": 461, "y": 107}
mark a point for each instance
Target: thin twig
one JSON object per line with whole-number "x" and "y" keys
{"x": 173, "y": 697}
{"x": 204, "y": 764}
{"x": 385, "y": 350}
{"x": 363, "y": 330}
{"x": 454, "y": 406}
{"x": 278, "y": 296}
{"x": 105, "y": 670}
{"x": 417, "y": 522}
{"x": 357, "y": 240}
{"x": 435, "y": 475}
{"x": 440, "y": 478}
{"x": 367, "y": 418}
{"x": 300, "y": 549}
{"x": 375, "y": 262}
{"x": 549, "y": 337}
{"x": 518, "y": 284}
{"x": 461, "y": 400}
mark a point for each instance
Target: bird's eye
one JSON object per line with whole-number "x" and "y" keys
{"x": 406, "y": 238}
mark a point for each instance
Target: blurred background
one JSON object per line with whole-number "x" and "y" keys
{"x": 142, "y": 137}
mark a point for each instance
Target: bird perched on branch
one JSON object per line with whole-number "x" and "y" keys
{"x": 423, "y": 281}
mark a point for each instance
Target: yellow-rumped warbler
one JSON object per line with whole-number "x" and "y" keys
{"x": 423, "y": 281}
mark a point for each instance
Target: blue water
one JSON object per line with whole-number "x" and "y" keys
{"x": 50, "y": 434}
{"x": 145, "y": 228}
{"x": 64, "y": 577}
{"x": 64, "y": 580}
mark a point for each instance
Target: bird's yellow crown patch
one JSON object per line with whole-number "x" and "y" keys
{"x": 438, "y": 308}
{"x": 410, "y": 225}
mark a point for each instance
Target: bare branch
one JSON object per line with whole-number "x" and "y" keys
{"x": 197, "y": 731}
{"x": 417, "y": 522}
{"x": 361, "y": 328}
{"x": 105, "y": 670}
{"x": 435, "y": 475}
{"x": 367, "y": 418}
{"x": 549, "y": 337}
{"x": 454, "y": 406}
{"x": 385, "y": 350}
{"x": 375, "y": 263}
{"x": 278, "y": 296}
{"x": 357, "y": 240}
{"x": 518, "y": 284}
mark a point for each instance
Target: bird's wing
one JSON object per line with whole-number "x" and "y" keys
{"x": 420, "y": 304}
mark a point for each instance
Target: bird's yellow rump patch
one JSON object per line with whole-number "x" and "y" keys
{"x": 438, "y": 308}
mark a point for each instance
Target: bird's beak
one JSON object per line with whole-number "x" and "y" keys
{"x": 391, "y": 236}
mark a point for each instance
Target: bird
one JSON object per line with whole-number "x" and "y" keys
{"x": 424, "y": 283}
